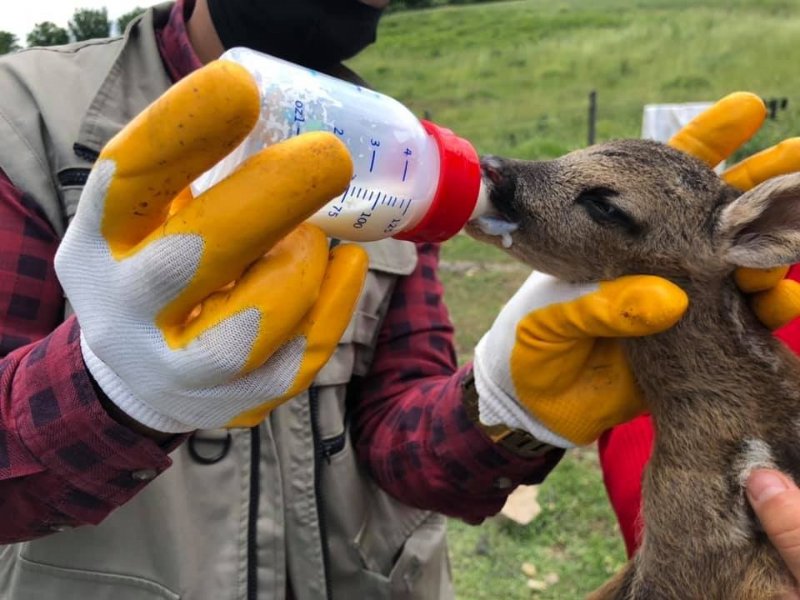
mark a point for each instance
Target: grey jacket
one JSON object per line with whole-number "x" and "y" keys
{"x": 234, "y": 516}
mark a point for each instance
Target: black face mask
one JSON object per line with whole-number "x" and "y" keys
{"x": 312, "y": 33}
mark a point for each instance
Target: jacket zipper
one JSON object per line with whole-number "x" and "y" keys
{"x": 320, "y": 453}
{"x": 332, "y": 446}
{"x": 73, "y": 177}
{"x": 252, "y": 514}
{"x": 84, "y": 152}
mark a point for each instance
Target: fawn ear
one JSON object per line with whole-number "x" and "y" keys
{"x": 762, "y": 226}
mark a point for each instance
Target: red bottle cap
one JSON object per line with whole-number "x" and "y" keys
{"x": 457, "y": 192}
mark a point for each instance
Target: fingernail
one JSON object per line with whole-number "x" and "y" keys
{"x": 763, "y": 485}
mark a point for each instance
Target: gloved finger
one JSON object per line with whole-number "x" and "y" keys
{"x": 183, "y": 198}
{"x": 750, "y": 280}
{"x": 634, "y": 305}
{"x": 780, "y": 159}
{"x": 713, "y": 135}
{"x": 778, "y": 305}
{"x": 279, "y": 289}
{"x": 244, "y": 215}
{"x": 324, "y": 325}
{"x": 774, "y": 299}
{"x": 777, "y": 160}
{"x": 197, "y": 122}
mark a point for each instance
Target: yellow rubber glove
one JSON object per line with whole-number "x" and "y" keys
{"x": 713, "y": 136}
{"x": 551, "y": 364}
{"x": 553, "y": 348}
{"x": 194, "y": 311}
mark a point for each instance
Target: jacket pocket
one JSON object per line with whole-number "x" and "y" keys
{"x": 420, "y": 569}
{"x": 37, "y": 581}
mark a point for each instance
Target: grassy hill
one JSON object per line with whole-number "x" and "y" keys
{"x": 514, "y": 78}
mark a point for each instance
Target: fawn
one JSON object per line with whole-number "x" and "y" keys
{"x": 724, "y": 394}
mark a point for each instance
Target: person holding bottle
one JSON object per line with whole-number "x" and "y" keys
{"x": 199, "y": 400}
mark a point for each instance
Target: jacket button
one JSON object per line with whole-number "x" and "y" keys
{"x": 144, "y": 474}
{"x": 503, "y": 483}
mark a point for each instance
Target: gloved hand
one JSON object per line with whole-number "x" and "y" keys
{"x": 194, "y": 311}
{"x": 713, "y": 136}
{"x": 552, "y": 365}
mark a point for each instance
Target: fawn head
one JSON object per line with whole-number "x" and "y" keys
{"x": 634, "y": 207}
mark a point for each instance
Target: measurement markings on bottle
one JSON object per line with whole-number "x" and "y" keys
{"x": 299, "y": 115}
{"x": 375, "y": 145}
{"x": 407, "y": 152}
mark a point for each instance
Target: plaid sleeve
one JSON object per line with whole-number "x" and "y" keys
{"x": 410, "y": 426}
{"x": 63, "y": 460}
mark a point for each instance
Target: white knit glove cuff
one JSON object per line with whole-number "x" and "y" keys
{"x": 121, "y": 395}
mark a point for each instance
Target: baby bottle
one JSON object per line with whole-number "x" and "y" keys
{"x": 413, "y": 180}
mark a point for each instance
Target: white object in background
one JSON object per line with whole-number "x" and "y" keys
{"x": 661, "y": 121}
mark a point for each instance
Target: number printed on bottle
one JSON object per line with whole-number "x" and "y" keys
{"x": 362, "y": 220}
{"x": 392, "y": 225}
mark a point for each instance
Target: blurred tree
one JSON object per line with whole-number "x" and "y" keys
{"x": 47, "y": 33}
{"x": 122, "y": 22}
{"x": 89, "y": 23}
{"x": 8, "y": 42}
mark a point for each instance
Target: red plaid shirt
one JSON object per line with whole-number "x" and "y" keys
{"x": 65, "y": 462}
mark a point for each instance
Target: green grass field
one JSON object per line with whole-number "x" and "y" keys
{"x": 514, "y": 77}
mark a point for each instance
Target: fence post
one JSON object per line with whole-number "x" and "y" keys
{"x": 592, "y": 115}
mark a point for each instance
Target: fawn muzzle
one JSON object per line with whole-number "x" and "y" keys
{"x": 502, "y": 219}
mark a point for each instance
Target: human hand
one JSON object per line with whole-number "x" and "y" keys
{"x": 196, "y": 310}
{"x": 552, "y": 363}
{"x": 775, "y": 499}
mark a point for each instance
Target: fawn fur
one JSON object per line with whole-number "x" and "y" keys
{"x": 723, "y": 392}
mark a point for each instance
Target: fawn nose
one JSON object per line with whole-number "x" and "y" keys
{"x": 501, "y": 184}
{"x": 492, "y": 169}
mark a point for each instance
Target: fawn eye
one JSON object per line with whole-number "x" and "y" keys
{"x": 597, "y": 204}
